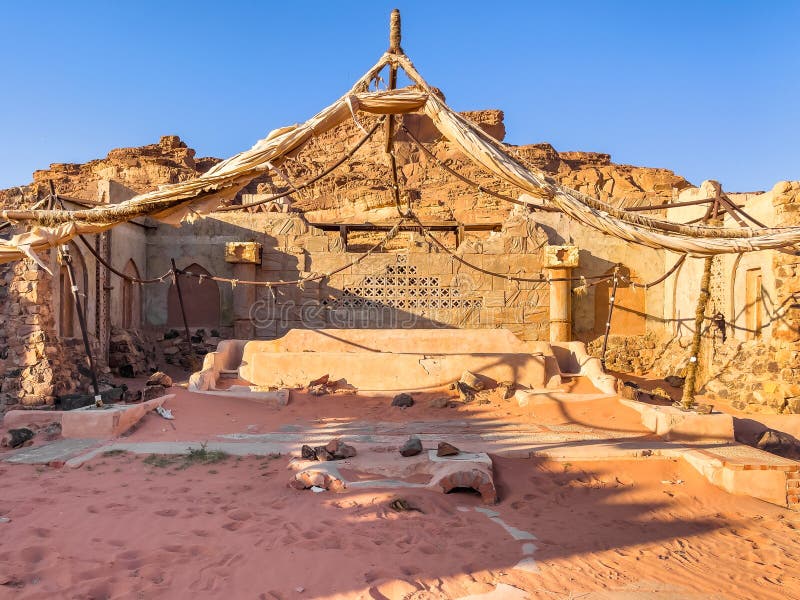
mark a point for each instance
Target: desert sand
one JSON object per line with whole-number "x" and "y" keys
{"x": 136, "y": 526}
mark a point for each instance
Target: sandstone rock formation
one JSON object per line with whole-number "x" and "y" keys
{"x": 360, "y": 189}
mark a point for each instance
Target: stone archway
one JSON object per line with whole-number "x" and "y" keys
{"x": 201, "y": 300}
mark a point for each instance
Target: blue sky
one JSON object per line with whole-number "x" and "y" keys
{"x": 708, "y": 89}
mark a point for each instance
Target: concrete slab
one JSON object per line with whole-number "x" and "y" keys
{"x": 61, "y": 450}
{"x": 274, "y": 398}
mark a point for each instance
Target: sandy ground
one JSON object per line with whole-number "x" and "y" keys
{"x": 120, "y": 528}
{"x": 197, "y": 415}
{"x": 126, "y": 526}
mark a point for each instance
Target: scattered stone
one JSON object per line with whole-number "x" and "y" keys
{"x": 403, "y": 400}
{"x": 466, "y": 393}
{"x": 322, "y": 454}
{"x": 778, "y": 443}
{"x": 412, "y": 447}
{"x": 333, "y": 450}
{"x": 153, "y": 391}
{"x": 319, "y": 390}
{"x": 472, "y": 381}
{"x": 505, "y": 389}
{"x": 319, "y": 381}
{"x": 339, "y": 450}
{"x": 675, "y": 381}
{"x": 445, "y": 449}
{"x": 403, "y": 505}
{"x": 439, "y": 403}
{"x": 160, "y": 378}
{"x": 14, "y": 438}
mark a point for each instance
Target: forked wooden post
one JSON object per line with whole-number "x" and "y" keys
{"x": 394, "y": 48}
{"x": 67, "y": 260}
{"x": 690, "y": 383}
{"x": 177, "y": 282}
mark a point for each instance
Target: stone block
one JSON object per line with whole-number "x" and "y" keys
{"x": 243, "y": 252}
{"x": 316, "y": 243}
{"x": 561, "y": 257}
{"x": 494, "y": 299}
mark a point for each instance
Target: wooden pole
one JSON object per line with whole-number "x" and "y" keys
{"x": 690, "y": 383}
{"x": 67, "y": 260}
{"x": 394, "y": 48}
{"x": 177, "y": 282}
{"x": 699, "y": 316}
{"x": 611, "y": 302}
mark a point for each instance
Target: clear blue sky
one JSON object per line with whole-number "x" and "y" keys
{"x": 708, "y": 89}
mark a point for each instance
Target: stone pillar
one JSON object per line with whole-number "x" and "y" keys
{"x": 559, "y": 261}
{"x": 244, "y": 256}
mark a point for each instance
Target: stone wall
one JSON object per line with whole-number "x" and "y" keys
{"x": 409, "y": 284}
{"x": 36, "y": 365}
{"x": 757, "y": 366}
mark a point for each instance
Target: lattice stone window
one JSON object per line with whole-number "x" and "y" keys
{"x": 399, "y": 286}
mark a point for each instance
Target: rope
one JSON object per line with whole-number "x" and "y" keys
{"x": 661, "y": 279}
{"x": 466, "y": 263}
{"x": 468, "y": 181}
{"x": 313, "y": 277}
{"x": 324, "y": 173}
{"x": 118, "y": 273}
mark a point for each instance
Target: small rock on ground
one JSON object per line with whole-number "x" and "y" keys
{"x": 446, "y": 449}
{"x": 412, "y": 447}
{"x": 14, "y": 438}
{"x": 160, "y": 378}
{"x": 403, "y": 400}
{"x": 439, "y": 403}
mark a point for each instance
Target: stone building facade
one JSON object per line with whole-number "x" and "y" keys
{"x": 410, "y": 282}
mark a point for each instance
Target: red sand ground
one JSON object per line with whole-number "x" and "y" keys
{"x": 121, "y": 528}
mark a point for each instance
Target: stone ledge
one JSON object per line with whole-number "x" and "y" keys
{"x": 674, "y": 424}
{"x": 106, "y": 423}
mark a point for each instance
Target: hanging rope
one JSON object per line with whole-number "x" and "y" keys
{"x": 348, "y": 155}
{"x": 313, "y": 277}
{"x": 119, "y": 273}
{"x": 474, "y": 267}
{"x": 661, "y": 279}
{"x": 468, "y": 181}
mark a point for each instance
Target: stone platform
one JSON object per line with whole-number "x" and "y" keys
{"x": 397, "y": 360}
{"x": 89, "y": 422}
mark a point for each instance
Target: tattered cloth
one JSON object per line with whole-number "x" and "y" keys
{"x": 195, "y": 198}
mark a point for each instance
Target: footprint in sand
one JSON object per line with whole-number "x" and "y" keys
{"x": 33, "y": 554}
{"x": 40, "y": 532}
{"x": 232, "y": 525}
{"x": 168, "y": 512}
{"x": 332, "y": 543}
{"x": 200, "y": 532}
{"x": 239, "y": 515}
